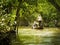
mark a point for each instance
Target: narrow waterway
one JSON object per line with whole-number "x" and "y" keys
{"x": 39, "y": 37}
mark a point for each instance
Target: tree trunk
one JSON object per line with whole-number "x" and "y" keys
{"x": 18, "y": 15}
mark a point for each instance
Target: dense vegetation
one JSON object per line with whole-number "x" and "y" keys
{"x": 25, "y": 12}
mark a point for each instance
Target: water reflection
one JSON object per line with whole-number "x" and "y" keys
{"x": 44, "y": 38}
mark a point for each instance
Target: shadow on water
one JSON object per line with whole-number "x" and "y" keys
{"x": 10, "y": 38}
{"x": 17, "y": 41}
{"x": 56, "y": 38}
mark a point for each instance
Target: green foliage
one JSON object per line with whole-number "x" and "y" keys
{"x": 29, "y": 10}
{"x": 7, "y": 14}
{"x": 58, "y": 2}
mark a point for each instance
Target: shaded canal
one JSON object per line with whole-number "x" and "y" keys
{"x": 37, "y": 37}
